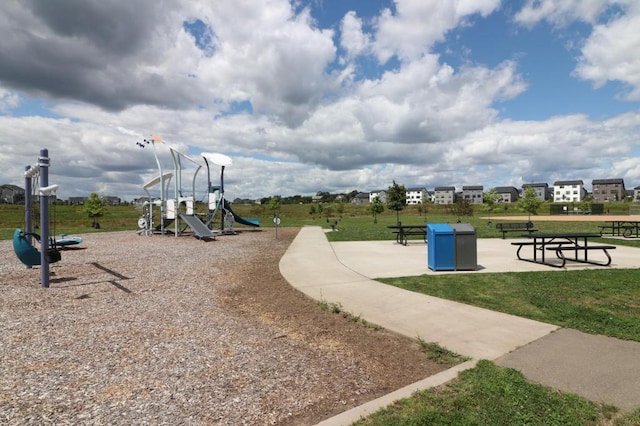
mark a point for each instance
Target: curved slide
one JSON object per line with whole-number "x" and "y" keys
{"x": 243, "y": 221}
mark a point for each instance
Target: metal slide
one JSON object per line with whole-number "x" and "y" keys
{"x": 198, "y": 228}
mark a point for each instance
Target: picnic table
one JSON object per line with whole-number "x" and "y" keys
{"x": 621, "y": 228}
{"x": 515, "y": 227}
{"x": 574, "y": 247}
{"x": 403, "y": 231}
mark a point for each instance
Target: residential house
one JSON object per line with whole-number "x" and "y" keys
{"x": 360, "y": 198}
{"x": 381, "y": 194}
{"x": 507, "y": 194}
{"x": 444, "y": 195}
{"x": 416, "y": 196}
{"x": 541, "y": 189}
{"x": 636, "y": 194}
{"x": 11, "y": 194}
{"x": 607, "y": 190}
{"x": 136, "y": 201}
{"x": 111, "y": 200}
{"x": 430, "y": 196}
{"x": 568, "y": 191}
{"x": 76, "y": 201}
{"x": 473, "y": 194}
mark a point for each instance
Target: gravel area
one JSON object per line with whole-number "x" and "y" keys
{"x": 164, "y": 330}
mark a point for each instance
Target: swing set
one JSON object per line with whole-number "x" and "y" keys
{"x": 37, "y": 181}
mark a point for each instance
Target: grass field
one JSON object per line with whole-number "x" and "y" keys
{"x": 598, "y": 301}
{"x": 354, "y": 222}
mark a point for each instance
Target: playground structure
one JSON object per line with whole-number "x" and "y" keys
{"x": 180, "y": 209}
{"x": 216, "y": 200}
{"x": 37, "y": 181}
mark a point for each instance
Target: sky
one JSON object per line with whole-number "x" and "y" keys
{"x": 320, "y": 95}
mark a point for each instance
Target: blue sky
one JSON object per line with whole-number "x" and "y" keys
{"x": 311, "y": 96}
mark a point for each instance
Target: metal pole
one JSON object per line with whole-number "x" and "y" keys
{"x": 43, "y": 162}
{"x": 162, "y": 190}
{"x": 222, "y": 209}
{"x": 28, "y": 225}
{"x": 209, "y": 214}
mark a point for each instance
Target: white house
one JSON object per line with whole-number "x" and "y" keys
{"x": 381, "y": 194}
{"x": 416, "y": 196}
{"x": 567, "y": 191}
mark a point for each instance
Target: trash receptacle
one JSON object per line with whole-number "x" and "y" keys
{"x": 466, "y": 247}
{"x": 441, "y": 249}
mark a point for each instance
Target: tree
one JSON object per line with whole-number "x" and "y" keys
{"x": 312, "y": 210}
{"x": 461, "y": 208}
{"x": 491, "y": 198}
{"x": 352, "y": 194}
{"x": 257, "y": 209}
{"x": 397, "y": 199}
{"x": 340, "y": 208}
{"x": 94, "y": 207}
{"x": 325, "y": 197}
{"x": 328, "y": 212}
{"x": 585, "y": 204}
{"x": 376, "y": 207}
{"x": 530, "y": 202}
{"x": 274, "y": 205}
{"x": 422, "y": 208}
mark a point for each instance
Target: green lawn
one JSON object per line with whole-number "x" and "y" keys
{"x": 598, "y": 301}
{"x": 492, "y": 395}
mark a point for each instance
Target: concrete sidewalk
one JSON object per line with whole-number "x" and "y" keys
{"x": 342, "y": 273}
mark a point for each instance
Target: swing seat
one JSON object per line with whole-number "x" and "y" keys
{"x": 65, "y": 240}
{"x": 27, "y": 253}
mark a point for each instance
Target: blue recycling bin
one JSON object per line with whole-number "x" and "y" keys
{"x": 441, "y": 247}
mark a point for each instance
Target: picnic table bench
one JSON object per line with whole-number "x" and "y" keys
{"x": 621, "y": 228}
{"x": 573, "y": 247}
{"x": 403, "y": 231}
{"x": 515, "y": 227}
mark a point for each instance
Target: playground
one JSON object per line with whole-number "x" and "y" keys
{"x": 154, "y": 329}
{"x": 165, "y": 329}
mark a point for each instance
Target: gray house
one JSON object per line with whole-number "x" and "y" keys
{"x": 473, "y": 194}
{"x": 507, "y": 194}
{"x": 11, "y": 194}
{"x": 360, "y": 198}
{"x": 541, "y": 189}
{"x": 76, "y": 201}
{"x": 608, "y": 190}
{"x": 444, "y": 195}
{"x": 379, "y": 193}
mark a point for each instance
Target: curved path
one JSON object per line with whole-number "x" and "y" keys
{"x": 598, "y": 368}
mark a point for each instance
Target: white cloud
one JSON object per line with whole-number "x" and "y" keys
{"x": 352, "y": 37}
{"x": 561, "y": 12}
{"x": 607, "y": 54}
{"x": 8, "y": 99}
{"x": 416, "y": 25}
{"x": 316, "y": 124}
